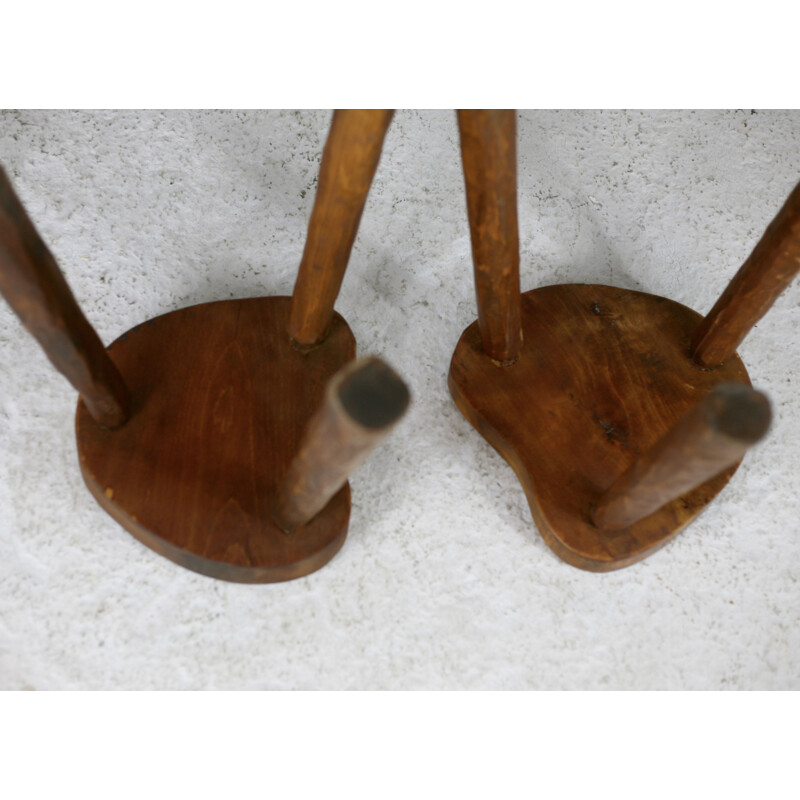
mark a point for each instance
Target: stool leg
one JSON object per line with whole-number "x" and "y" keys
{"x": 363, "y": 401}
{"x": 756, "y": 286}
{"x": 714, "y": 435}
{"x": 489, "y": 156}
{"x": 36, "y": 290}
{"x": 348, "y": 165}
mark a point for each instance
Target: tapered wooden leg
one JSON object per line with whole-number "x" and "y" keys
{"x": 36, "y": 290}
{"x": 767, "y": 272}
{"x": 362, "y": 403}
{"x": 348, "y": 165}
{"x": 489, "y": 155}
{"x": 712, "y": 436}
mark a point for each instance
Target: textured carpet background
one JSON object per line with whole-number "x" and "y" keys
{"x": 443, "y": 582}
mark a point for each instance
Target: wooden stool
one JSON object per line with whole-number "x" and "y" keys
{"x": 623, "y": 414}
{"x": 222, "y": 435}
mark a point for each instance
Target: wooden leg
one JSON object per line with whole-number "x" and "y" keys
{"x": 348, "y": 165}
{"x": 766, "y": 273}
{"x": 489, "y": 155}
{"x": 712, "y": 436}
{"x": 36, "y": 290}
{"x": 362, "y": 403}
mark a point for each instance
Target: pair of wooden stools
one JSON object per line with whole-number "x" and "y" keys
{"x": 222, "y": 435}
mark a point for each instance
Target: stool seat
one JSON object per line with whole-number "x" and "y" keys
{"x": 222, "y": 435}
{"x": 602, "y": 375}
{"x": 220, "y": 399}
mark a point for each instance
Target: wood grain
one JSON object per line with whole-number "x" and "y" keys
{"x": 348, "y": 165}
{"x": 363, "y": 402}
{"x": 602, "y": 375}
{"x": 489, "y": 156}
{"x": 221, "y": 400}
{"x": 712, "y": 436}
{"x": 771, "y": 267}
{"x": 36, "y": 290}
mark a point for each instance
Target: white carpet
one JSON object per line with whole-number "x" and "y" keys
{"x": 443, "y": 582}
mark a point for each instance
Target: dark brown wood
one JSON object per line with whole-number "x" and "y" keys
{"x": 36, "y": 290}
{"x": 221, "y": 400}
{"x": 603, "y": 374}
{"x": 363, "y": 402}
{"x": 348, "y": 165}
{"x": 770, "y": 268}
{"x": 489, "y": 155}
{"x": 714, "y": 435}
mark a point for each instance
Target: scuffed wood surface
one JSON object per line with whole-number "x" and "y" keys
{"x": 602, "y": 375}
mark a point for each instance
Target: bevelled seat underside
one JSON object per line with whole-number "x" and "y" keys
{"x": 603, "y": 374}
{"x": 221, "y": 399}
